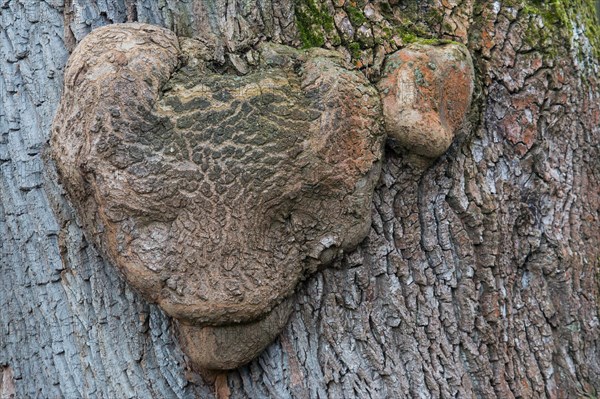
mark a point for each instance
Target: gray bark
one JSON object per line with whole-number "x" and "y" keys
{"x": 479, "y": 277}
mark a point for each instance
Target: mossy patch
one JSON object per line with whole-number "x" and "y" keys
{"x": 545, "y": 21}
{"x": 566, "y": 18}
{"x": 314, "y": 23}
{"x": 354, "y": 49}
{"x": 392, "y": 28}
{"x": 355, "y": 15}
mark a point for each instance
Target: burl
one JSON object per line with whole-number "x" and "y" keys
{"x": 216, "y": 194}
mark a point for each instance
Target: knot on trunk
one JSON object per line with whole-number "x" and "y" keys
{"x": 216, "y": 194}
{"x": 426, "y": 92}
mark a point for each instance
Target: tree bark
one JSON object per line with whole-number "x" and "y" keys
{"x": 479, "y": 279}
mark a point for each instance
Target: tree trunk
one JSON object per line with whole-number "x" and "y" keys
{"x": 480, "y": 276}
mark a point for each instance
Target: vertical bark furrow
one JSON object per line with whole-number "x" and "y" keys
{"x": 541, "y": 277}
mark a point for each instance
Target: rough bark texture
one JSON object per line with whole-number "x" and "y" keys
{"x": 480, "y": 274}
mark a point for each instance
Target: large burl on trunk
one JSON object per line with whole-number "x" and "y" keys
{"x": 478, "y": 277}
{"x": 216, "y": 194}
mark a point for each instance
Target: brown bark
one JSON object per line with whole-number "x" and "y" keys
{"x": 480, "y": 274}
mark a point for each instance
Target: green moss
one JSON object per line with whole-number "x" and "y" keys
{"x": 355, "y": 15}
{"x": 336, "y": 40}
{"x": 354, "y": 49}
{"x": 548, "y": 25}
{"x": 409, "y": 37}
{"x": 316, "y": 26}
{"x": 421, "y": 30}
{"x": 561, "y": 17}
{"x": 314, "y": 23}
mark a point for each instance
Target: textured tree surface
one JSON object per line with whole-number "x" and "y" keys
{"x": 216, "y": 194}
{"x": 479, "y": 277}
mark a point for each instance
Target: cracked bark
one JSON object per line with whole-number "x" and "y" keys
{"x": 479, "y": 277}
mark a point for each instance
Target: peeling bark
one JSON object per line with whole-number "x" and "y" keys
{"x": 480, "y": 274}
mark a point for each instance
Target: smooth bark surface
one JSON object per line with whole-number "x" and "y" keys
{"x": 479, "y": 277}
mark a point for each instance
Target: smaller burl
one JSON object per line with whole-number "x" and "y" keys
{"x": 426, "y": 92}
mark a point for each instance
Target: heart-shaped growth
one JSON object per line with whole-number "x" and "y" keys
{"x": 215, "y": 194}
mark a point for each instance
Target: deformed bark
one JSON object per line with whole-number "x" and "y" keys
{"x": 216, "y": 194}
{"x": 426, "y": 92}
{"x": 480, "y": 274}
